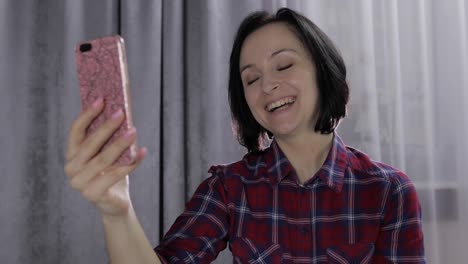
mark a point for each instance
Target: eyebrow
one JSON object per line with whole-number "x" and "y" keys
{"x": 271, "y": 56}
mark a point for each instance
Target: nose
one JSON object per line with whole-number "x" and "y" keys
{"x": 269, "y": 84}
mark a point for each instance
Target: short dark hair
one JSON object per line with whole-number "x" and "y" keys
{"x": 330, "y": 71}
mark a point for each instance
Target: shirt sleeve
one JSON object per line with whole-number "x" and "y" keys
{"x": 401, "y": 238}
{"x": 201, "y": 231}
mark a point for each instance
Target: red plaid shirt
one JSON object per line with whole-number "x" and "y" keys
{"x": 354, "y": 210}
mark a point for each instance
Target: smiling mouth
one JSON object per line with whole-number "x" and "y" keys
{"x": 280, "y": 104}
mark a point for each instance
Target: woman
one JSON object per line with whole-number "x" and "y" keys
{"x": 306, "y": 198}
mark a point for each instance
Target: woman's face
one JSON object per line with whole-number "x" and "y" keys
{"x": 279, "y": 81}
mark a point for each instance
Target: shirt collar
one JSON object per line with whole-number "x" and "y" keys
{"x": 331, "y": 172}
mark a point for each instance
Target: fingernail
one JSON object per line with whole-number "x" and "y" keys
{"x": 144, "y": 151}
{"x": 117, "y": 114}
{"x": 130, "y": 133}
{"x": 97, "y": 103}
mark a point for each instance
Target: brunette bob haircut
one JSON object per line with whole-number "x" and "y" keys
{"x": 330, "y": 72}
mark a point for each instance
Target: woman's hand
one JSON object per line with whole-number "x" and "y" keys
{"x": 91, "y": 171}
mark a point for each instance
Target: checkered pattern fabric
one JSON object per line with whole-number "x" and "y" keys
{"x": 354, "y": 210}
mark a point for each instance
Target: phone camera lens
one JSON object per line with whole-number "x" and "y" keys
{"x": 85, "y": 47}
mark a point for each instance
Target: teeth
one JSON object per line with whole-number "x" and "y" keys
{"x": 280, "y": 103}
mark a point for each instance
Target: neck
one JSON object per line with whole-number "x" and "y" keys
{"x": 307, "y": 152}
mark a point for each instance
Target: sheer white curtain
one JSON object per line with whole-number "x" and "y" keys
{"x": 408, "y": 71}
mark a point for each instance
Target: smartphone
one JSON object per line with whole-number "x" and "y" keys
{"x": 102, "y": 72}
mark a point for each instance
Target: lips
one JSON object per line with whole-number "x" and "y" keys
{"x": 285, "y": 101}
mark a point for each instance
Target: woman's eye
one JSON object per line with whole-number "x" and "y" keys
{"x": 285, "y": 67}
{"x": 252, "y": 81}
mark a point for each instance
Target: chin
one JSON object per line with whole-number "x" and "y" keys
{"x": 283, "y": 131}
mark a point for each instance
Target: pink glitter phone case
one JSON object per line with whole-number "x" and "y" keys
{"x": 102, "y": 72}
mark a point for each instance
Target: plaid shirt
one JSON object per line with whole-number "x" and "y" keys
{"x": 354, "y": 210}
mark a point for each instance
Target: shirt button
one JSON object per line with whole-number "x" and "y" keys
{"x": 304, "y": 230}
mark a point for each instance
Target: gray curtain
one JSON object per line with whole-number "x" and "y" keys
{"x": 407, "y": 61}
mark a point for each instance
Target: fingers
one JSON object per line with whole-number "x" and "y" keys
{"x": 78, "y": 128}
{"x": 102, "y": 161}
{"x": 96, "y": 140}
{"x": 98, "y": 186}
{"x": 94, "y": 143}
